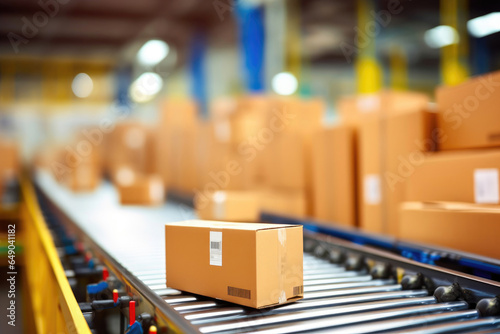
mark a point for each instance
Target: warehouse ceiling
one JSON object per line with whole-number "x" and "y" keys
{"x": 116, "y": 28}
{"x": 97, "y": 27}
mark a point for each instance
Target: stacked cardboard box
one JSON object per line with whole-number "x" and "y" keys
{"x": 137, "y": 189}
{"x": 468, "y": 113}
{"x": 334, "y": 175}
{"x": 288, "y": 153}
{"x": 131, "y": 143}
{"x": 176, "y": 144}
{"x": 395, "y": 131}
{"x": 9, "y": 164}
{"x": 79, "y": 170}
{"x": 229, "y": 205}
{"x": 467, "y": 227}
{"x": 464, "y": 173}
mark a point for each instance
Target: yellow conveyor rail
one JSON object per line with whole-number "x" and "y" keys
{"x": 54, "y": 308}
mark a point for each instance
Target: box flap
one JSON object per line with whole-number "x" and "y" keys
{"x": 229, "y": 225}
{"x": 450, "y": 206}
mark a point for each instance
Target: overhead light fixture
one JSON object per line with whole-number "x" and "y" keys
{"x": 152, "y": 52}
{"x": 441, "y": 36}
{"x": 82, "y": 85}
{"x": 484, "y": 25}
{"x": 145, "y": 87}
{"x": 285, "y": 83}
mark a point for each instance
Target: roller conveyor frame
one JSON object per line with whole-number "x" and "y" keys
{"x": 167, "y": 314}
{"x": 148, "y": 301}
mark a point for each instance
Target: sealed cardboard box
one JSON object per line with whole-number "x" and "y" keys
{"x": 391, "y": 147}
{"x": 334, "y": 175}
{"x": 287, "y": 164}
{"x": 353, "y": 109}
{"x": 228, "y": 206}
{"x": 468, "y": 113}
{"x": 128, "y": 145}
{"x": 370, "y": 157}
{"x": 284, "y": 202}
{"x": 9, "y": 159}
{"x": 252, "y": 264}
{"x": 85, "y": 177}
{"x": 467, "y": 227}
{"x": 461, "y": 176}
{"x": 136, "y": 189}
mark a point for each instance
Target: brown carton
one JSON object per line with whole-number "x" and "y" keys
{"x": 284, "y": 202}
{"x": 229, "y": 206}
{"x": 334, "y": 175}
{"x": 468, "y": 113}
{"x": 287, "y": 162}
{"x": 9, "y": 160}
{"x": 461, "y": 176}
{"x": 136, "y": 189}
{"x": 462, "y": 226}
{"x": 252, "y": 264}
{"x": 391, "y": 147}
{"x": 353, "y": 109}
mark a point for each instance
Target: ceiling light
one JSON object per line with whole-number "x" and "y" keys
{"x": 484, "y": 25}
{"x": 441, "y": 36}
{"x": 285, "y": 83}
{"x": 82, "y": 85}
{"x": 145, "y": 87}
{"x": 152, "y": 52}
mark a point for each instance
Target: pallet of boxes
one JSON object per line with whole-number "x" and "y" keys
{"x": 255, "y": 157}
{"x": 9, "y": 170}
{"x": 130, "y": 162}
{"x": 452, "y": 196}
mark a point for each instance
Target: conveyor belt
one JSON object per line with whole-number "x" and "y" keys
{"x": 338, "y": 297}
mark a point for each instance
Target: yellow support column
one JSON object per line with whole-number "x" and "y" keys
{"x": 399, "y": 69}
{"x": 454, "y": 57}
{"x": 368, "y": 70}
{"x": 293, "y": 45}
{"x": 7, "y": 84}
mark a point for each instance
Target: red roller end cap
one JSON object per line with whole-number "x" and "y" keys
{"x": 105, "y": 274}
{"x": 88, "y": 256}
{"x": 131, "y": 313}
{"x": 115, "y": 296}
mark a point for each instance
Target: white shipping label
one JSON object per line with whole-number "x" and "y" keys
{"x": 486, "y": 186}
{"x": 215, "y": 248}
{"x": 219, "y": 207}
{"x": 371, "y": 187}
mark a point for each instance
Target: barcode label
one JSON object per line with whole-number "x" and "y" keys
{"x": 372, "y": 192}
{"x": 237, "y": 292}
{"x": 215, "y": 248}
{"x": 298, "y": 290}
{"x": 486, "y": 186}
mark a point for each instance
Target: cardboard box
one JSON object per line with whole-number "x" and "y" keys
{"x": 467, "y": 227}
{"x": 461, "y": 176}
{"x": 287, "y": 162}
{"x": 85, "y": 177}
{"x": 353, "y": 109}
{"x": 9, "y": 161}
{"x": 136, "y": 189}
{"x": 468, "y": 113}
{"x": 391, "y": 147}
{"x": 252, "y": 264}
{"x": 370, "y": 159}
{"x": 284, "y": 202}
{"x": 334, "y": 175}
{"x": 229, "y": 206}
{"x": 128, "y": 145}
